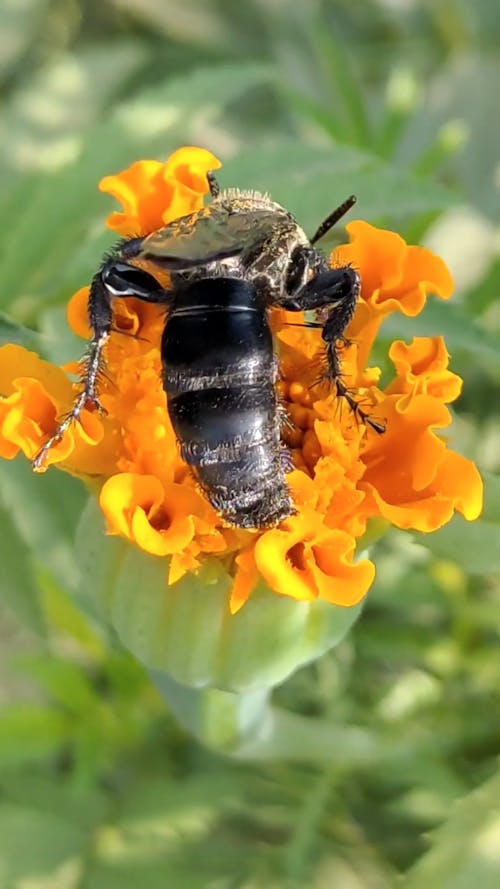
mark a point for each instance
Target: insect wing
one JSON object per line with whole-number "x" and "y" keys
{"x": 212, "y": 234}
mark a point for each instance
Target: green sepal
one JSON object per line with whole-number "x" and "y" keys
{"x": 186, "y": 630}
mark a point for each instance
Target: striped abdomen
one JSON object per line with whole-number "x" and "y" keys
{"x": 219, "y": 372}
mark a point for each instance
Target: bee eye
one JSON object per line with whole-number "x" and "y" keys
{"x": 126, "y": 280}
{"x": 297, "y": 270}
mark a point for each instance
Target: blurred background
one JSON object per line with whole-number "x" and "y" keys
{"x": 397, "y": 101}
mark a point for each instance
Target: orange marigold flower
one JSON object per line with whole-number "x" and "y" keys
{"x": 344, "y": 475}
{"x": 153, "y": 194}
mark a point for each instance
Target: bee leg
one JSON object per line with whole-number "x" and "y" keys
{"x": 114, "y": 278}
{"x": 336, "y": 291}
{"x": 213, "y": 185}
{"x": 99, "y": 310}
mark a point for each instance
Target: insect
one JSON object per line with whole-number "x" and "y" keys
{"x": 227, "y": 265}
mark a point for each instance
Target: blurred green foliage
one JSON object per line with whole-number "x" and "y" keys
{"x": 396, "y": 101}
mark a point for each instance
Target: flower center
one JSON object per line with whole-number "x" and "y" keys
{"x": 296, "y": 556}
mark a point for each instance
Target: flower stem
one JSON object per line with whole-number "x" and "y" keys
{"x": 246, "y": 726}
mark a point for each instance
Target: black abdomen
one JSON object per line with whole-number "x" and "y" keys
{"x": 219, "y": 373}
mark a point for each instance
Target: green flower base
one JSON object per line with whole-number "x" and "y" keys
{"x": 186, "y": 630}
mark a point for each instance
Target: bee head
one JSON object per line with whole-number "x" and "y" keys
{"x": 304, "y": 263}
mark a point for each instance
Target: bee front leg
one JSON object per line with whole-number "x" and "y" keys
{"x": 335, "y": 291}
{"x": 114, "y": 278}
{"x": 99, "y": 310}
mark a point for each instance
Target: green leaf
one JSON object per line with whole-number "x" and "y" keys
{"x": 460, "y": 92}
{"x": 491, "y": 508}
{"x": 44, "y": 224}
{"x": 10, "y": 332}
{"x": 312, "y": 181}
{"x": 30, "y": 732}
{"x": 58, "y": 343}
{"x": 343, "y": 80}
{"x": 92, "y": 75}
{"x": 18, "y": 588}
{"x": 19, "y": 23}
{"x": 486, "y": 291}
{"x": 39, "y": 849}
{"x": 202, "y": 93}
{"x": 465, "y": 851}
{"x": 167, "y": 833}
{"x": 473, "y": 545}
{"x": 45, "y": 510}
{"x": 38, "y": 791}
{"x": 64, "y": 681}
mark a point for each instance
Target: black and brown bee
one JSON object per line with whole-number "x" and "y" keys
{"x": 228, "y": 265}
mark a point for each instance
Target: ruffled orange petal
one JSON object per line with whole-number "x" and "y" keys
{"x": 422, "y": 368}
{"x": 161, "y": 521}
{"x": 409, "y": 474}
{"x": 245, "y": 579}
{"x": 143, "y": 194}
{"x": 340, "y": 500}
{"x": 337, "y": 579}
{"x": 32, "y": 405}
{"x": 180, "y": 564}
{"x": 187, "y": 168}
{"x": 459, "y": 482}
{"x": 153, "y": 194}
{"x": 457, "y": 486}
{"x": 16, "y": 362}
{"x": 394, "y": 275}
{"x": 77, "y": 314}
{"x": 24, "y": 415}
{"x": 304, "y": 559}
{"x": 404, "y": 459}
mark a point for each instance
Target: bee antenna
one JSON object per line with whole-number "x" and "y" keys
{"x": 333, "y": 218}
{"x": 213, "y": 184}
